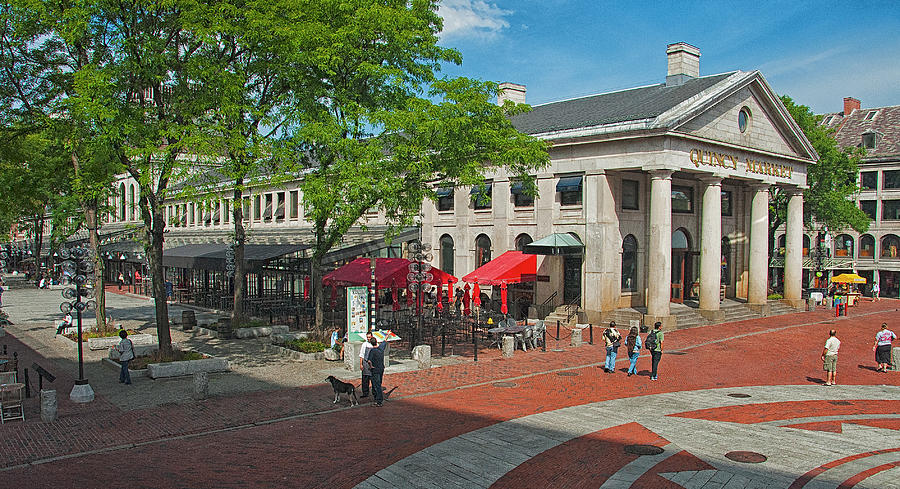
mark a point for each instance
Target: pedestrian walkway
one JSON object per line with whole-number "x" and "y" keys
{"x": 295, "y": 436}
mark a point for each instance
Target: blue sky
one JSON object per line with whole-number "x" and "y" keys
{"x": 816, "y": 52}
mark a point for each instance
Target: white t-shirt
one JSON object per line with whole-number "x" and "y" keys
{"x": 365, "y": 347}
{"x": 884, "y": 337}
{"x": 832, "y": 344}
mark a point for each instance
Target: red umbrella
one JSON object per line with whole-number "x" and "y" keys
{"x": 503, "y": 307}
{"x": 396, "y": 293}
{"x": 333, "y": 296}
{"x": 467, "y": 299}
{"x": 450, "y": 293}
{"x": 306, "y": 287}
{"x": 438, "y": 303}
{"x": 476, "y": 295}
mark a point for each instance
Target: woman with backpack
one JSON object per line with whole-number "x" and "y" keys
{"x": 633, "y": 345}
{"x": 612, "y": 338}
{"x": 654, "y": 344}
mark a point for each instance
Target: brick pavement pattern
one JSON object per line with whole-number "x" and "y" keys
{"x": 295, "y": 437}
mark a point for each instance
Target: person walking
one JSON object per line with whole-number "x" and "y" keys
{"x": 613, "y": 339}
{"x": 882, "y": 348}
{"x": 121, "y": 280}
{"x": 364, "y": 364}
{"x": 654, "y": 344}
{"x": 829, "y": 357}
{"x": 126, "y": 354}
{"x": 633, "y": 347}
{"x": 875, "y": 290}
{"x": 376, "y": 364}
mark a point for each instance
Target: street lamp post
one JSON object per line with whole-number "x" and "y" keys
{"x": 78, "y": 265}
{"x": 419, "y": 275}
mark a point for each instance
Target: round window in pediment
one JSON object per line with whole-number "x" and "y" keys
{"x": 744, "y": 119}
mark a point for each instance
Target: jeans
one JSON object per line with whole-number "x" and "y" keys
{"x": 376, "y": 387}
{"x": 633, "y": 356}
{"x": 655, "y": 356}
{"x": 611, "y": 358}
{"x": 124, "y": 376}
{"x": 365, "y": 384}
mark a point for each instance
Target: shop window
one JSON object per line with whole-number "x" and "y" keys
{"x": 868, "y": 206}
{"x": 629, "y": 264}
{"x": 890, "y": 210}
{"x": 482, "y": 250}
{"x": 569, "y": 189}
{"x": 520, "y": 197}
{"x": 890, "y": 245}
{"x": 257, "y": 212}
{"x": 805, "y": 245}
{"x": 445, "y": 199}
{"x": 843, "y": 246}
{"x": 630, "y": 194}
{"x": 868, "y": 180}
{"x": 890, "y": 179}
{"x": 279, "y": 210}
{"x": 866, "y": 246}
{"x": 481, "y": 196}
{"x": 727, "y": 203}
{"x": 682, "y": 199}
{"x": 447, "y": 254}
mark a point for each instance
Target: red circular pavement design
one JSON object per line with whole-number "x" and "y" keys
{"x": 341, "y": 449}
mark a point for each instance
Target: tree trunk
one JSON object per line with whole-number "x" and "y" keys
{"x": 38, "y": 244}
{"x": 315, "y": 267}
{"x": 240, "y": 272}
{"x": 90, "y": 217}
{"x": 155, "y": 236}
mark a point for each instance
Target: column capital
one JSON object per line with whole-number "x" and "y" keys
{"x": 758, "y": 186}
{"x": 661, "y": 174}
{"x": 792, "y": 191}
{"x": 711, "y": 179}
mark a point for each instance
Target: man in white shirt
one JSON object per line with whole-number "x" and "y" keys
{"x": 829, "y": 357}
{"x": 364, "y": 364}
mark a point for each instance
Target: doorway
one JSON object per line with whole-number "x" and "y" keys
{"x": 572, "y": 279}
{"x": 682, "y": 266}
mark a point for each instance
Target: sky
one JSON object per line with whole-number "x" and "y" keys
{"x": 815, "y": 52}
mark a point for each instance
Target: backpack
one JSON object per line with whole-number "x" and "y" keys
{"x": 651, "y": 341}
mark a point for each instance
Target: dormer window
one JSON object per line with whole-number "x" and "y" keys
{"x": 869, "y": 139}
{"x": 827, "y": 120}
{"x": 871, "y": 115}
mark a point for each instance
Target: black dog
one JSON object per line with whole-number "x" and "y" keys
{"x": 342, "y": 388}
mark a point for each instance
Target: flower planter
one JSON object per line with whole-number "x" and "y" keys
{"x": 111, "y": 341}
{"x": 114, "y": 364}
{"x": 293, "y": 354}
{"x": 258, "y": 332}
{"x": 188, "y": 367}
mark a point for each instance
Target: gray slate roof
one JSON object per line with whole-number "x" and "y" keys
{"x": 610, "y": 108}
{"x": 850, "y": 128}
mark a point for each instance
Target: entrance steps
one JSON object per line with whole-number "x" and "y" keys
{"x": 561, "y": 314}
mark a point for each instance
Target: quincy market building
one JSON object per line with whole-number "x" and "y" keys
{"x": 659, "y": 194}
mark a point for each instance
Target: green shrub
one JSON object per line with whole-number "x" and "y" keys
{"x": 775, "y": 297}
{"x": 306, "y": 346}
{"x": 254, "y": 323}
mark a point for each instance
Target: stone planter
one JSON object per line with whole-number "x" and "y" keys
{"x": 293, "y": 354}
{"x": 189, "y": 367}
{"x": 108, "y": 342}
{"x": 114, "y": 364}
{"x": 261, "y": 331}
{"x": 281, "y": 338}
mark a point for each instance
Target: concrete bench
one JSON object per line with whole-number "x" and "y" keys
{"x": 111, "y": 341}
{"x": 189, "y": 367}
{"x": 258, "y": 332}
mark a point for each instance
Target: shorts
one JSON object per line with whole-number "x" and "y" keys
{"x": 830, "y": 364}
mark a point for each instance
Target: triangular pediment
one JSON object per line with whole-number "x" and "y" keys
{"x": 714, "y": 117}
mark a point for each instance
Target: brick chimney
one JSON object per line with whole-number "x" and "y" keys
{"x": 511, "y": 91}
{"x": 850, "y": 104}
{"x": 684, "y": 63}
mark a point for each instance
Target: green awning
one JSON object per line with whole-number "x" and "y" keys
{"x": 555, "y": 244}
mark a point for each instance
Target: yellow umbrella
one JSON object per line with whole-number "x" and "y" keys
{"x": 848, "y": 278}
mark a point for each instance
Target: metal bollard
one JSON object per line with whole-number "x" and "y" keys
{"x": 475, "y": 342}
{"x": 27, "y": 385}
{"x": 544, "y": 340}
{"x": 443, "y": 338}
{"x": 591, "y": 334}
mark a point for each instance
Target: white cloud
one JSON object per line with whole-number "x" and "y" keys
{"x": 472, "y": 18}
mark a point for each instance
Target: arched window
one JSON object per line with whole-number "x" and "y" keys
{"x": 680, "y": 240}
{"x": 447, "y": 253}
{"x": 890, "y": 246}
{"x": 782, "y": 243}
{"x": 843, "y": 246}
{"x": 522, "y": 240}
{"x": 866, "y": 246}
{"x": 122, "y": 201}
{"x": 805, "y": 245}
{"x": 482, "y": 250}
{"x": 629, "y": 264}
{"x": 132, "y": 205}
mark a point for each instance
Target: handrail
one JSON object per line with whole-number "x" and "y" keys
{"x": 552, "y": 296}
{"x": 570, "y": 305}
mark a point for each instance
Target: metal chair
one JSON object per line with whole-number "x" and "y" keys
{"x": 525, "y": 337}
{"x": 538, "y": 336}
{"x": 11, "y": 403}
{"x": 7, "y": 377}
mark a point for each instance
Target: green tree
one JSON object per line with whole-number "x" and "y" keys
{"x": 379, "y": 124}
{"x": 832, "y": 180}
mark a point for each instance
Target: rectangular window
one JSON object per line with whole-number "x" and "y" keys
{"x": 682, "y": 199}
{"x": 481, "y": 196}
{"x": 226, "y": 208}
{"x": 890, "y": 210}
{"x": 868, "y": 180}
{"x": 445, "y": 199}
{"x": 890, "y": 179}
{"x": 279, "y": 211}
{"x": 868, "y": 206}
{"x": 726, "y": 203}
{"x": 257, "y": 212}
{"x": 869, "y": 140}
{"x": 569, "y": 189}
{"x": 293, "y": 204}
{"x": 520, "y": 198}
{"x": 267, "y": 214}
{"x": 630, "y": 194}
